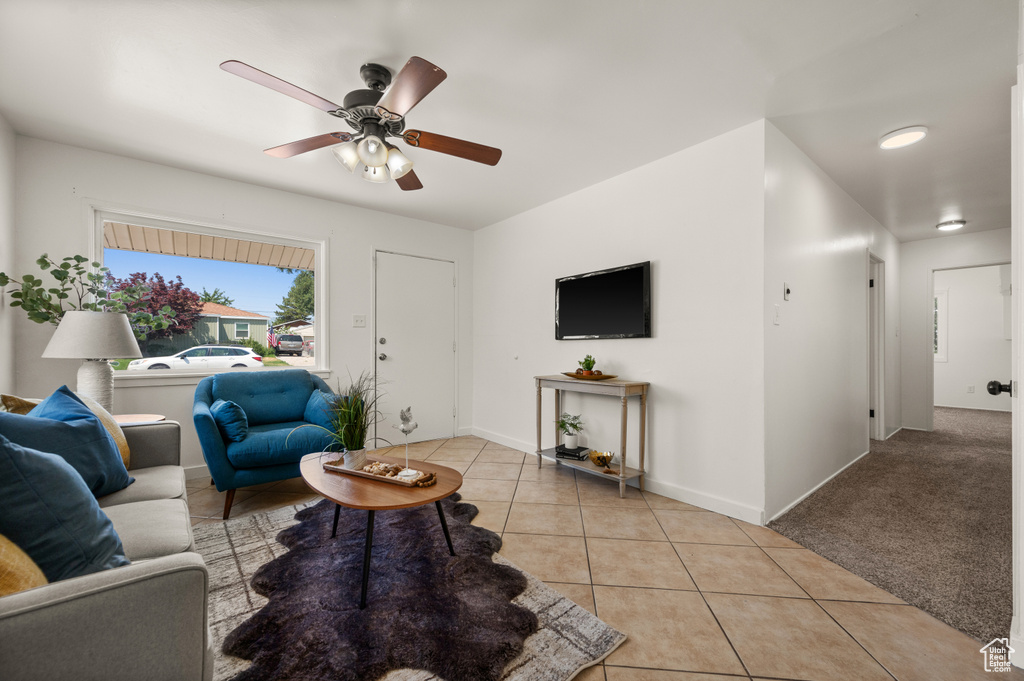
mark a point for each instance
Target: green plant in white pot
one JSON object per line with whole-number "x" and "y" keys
{"x": 571, "y": 426}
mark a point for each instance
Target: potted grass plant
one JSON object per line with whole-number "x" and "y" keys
{"x": 352, "y": 414}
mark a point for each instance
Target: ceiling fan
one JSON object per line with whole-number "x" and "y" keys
{"x": 375, "y": 114}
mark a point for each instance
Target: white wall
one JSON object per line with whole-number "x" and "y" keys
{"x": 978, "y": 350}
{"x": 698, "y": 216}
{"x": 918, "y": 261}
{"x": 7, "y": 138}
{"x": 817, "y": 241}
{"x": 57, "y": 184}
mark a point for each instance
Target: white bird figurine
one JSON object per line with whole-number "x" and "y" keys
{"x": 408, "y": 425}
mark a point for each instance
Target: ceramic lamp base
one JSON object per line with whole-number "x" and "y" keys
{"x": 96, "y": 380}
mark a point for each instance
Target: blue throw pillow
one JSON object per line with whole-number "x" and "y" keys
{"x": 62, "y": 425}
{"x": 46, "y": 509}
{"x": 230, "y": 419}
{"x": 318, "y": 409}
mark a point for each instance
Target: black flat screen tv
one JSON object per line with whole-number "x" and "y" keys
{"x": 613, "y": 303}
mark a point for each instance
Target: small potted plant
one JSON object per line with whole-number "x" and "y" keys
{"x": 587, "y": 366}
{"x": 571, "y": 427}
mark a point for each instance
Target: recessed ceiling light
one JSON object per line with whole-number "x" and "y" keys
{"x": 903, "y": 137}
{"x": 950, "y": 225}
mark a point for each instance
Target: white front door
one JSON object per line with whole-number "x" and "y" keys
{"x": 415, "y": 345}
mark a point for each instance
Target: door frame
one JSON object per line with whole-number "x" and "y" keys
{"x": 455, "y": 331}
{"x": 876, "y": 345}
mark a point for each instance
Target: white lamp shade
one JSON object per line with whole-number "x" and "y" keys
{"x": 347, "y": 155}
{"x": 398, "y": 163}
{"x": 372, "y": 151}
{"x": 378, "y": 175}
{"x": 93, "y": 335}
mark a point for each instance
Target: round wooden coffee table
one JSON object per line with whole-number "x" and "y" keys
{"x": 370, "y": 495}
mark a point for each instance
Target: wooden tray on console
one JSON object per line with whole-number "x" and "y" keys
{"x": 371, "y": 476}
{"x": 584, "y": 377}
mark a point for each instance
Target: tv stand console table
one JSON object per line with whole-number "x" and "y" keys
{"x": 611, "y": 386}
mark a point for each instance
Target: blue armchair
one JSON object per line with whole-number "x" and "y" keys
{"x": 262, "y": 443}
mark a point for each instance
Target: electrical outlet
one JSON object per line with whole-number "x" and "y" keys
{"x": 358, "y": 321}
{"x": 970, "y": 388}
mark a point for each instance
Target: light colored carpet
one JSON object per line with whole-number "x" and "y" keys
{"x": 927, "y": 517}
{"x": 569, "y": 639}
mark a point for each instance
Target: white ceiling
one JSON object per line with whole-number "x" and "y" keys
{"x": 573, "y": 92}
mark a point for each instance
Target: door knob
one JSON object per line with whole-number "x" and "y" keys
{"x": 382, "y": 356}
{"x": 995, "y": 387}
{"x": 382, "y": 341}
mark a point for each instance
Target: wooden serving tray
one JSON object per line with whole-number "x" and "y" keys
{"x": 371, "y": 476}
{"x": 584, "y": 377}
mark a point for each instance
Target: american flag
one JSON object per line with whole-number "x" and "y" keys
{"x": 271, "y": 337}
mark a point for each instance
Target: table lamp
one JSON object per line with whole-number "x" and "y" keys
{"x": 95, "y": 337}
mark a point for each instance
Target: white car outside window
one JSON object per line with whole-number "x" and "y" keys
{"x": 212, "y": 357}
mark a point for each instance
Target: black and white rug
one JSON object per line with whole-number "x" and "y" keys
{"x": 430, "y": 616}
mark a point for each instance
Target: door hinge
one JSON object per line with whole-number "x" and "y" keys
{"x": 871, "y": 413}
{"x": 453, "y": 346}
{"x": 453, "y": 281}
{"x": 871, "y": 283}
{"x": 454, "y": 409}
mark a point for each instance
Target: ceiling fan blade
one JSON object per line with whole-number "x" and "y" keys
{"x": 409, "y": 181}
{"x": 414, "y": 82}
{"x": 454, "y": 147}
{"x": 308, "y": 144}
{"x": 275, "y": 83}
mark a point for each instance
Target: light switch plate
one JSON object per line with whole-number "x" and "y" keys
{"x": 358, "y": 321}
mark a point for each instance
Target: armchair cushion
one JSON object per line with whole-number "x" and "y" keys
{"x": 61, "y": 424}
{"x": 318, "y": 409}
{"x": 230, "y": 420}
{"x": 47, "y": 510}
{"x": 277, "y": 443}
{"x": 276, "y": 400}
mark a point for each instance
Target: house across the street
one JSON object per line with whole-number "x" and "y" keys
{"x": 218, "y": 324}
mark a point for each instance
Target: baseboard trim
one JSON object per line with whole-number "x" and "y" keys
{"x": 193, "y": 472}
{"x": 817, "y": 487}
{"x": 1016, "y": 642}
{"x": 954, "y": 406}
{"x": 893, "y": 433}
{"x": 710, "y": 502}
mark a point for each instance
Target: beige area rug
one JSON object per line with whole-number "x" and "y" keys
{"x": 568, "y": 640}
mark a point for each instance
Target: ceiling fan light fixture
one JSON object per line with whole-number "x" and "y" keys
{"x": 372, "y": 151}
{"x": 398, "y": 163}
{"x": 950, "y": 225}
{"x": 903, "y": 137}
{"x": 375, "y": 174}
{"x": 347, "y": 155}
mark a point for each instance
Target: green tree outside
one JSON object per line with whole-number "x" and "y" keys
{"x": 216, "y": 296}
{"x": 298, "y": 303}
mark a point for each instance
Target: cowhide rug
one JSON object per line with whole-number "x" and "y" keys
{"x": 456, "y": 618}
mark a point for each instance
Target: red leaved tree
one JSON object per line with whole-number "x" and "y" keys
{"x": 174, "y": 294}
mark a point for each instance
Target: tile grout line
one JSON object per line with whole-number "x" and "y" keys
{"x": 703, "y": 599}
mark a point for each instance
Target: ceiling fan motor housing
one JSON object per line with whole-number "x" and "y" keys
{"x": 358, "y": 107}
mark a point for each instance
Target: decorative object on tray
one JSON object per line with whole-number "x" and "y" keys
{"x": 408, "y": 425}
{"x": 571, "y": 427}
{"x": 587, "y": 366}
{"x": 584, "y": 377}
{"x": 575, "y": 453}
{"x": 601, "y": 458}
{"x": 385, "y": 472}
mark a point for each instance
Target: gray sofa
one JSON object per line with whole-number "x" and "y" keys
{"x": 147, "y": 620}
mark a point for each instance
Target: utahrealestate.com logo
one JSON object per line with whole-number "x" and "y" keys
{"x": 997, "y": 655}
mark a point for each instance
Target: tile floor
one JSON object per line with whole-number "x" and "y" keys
{"x": 703, "y": 597}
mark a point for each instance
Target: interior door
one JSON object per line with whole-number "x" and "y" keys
{"x": 415, "y": 345}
